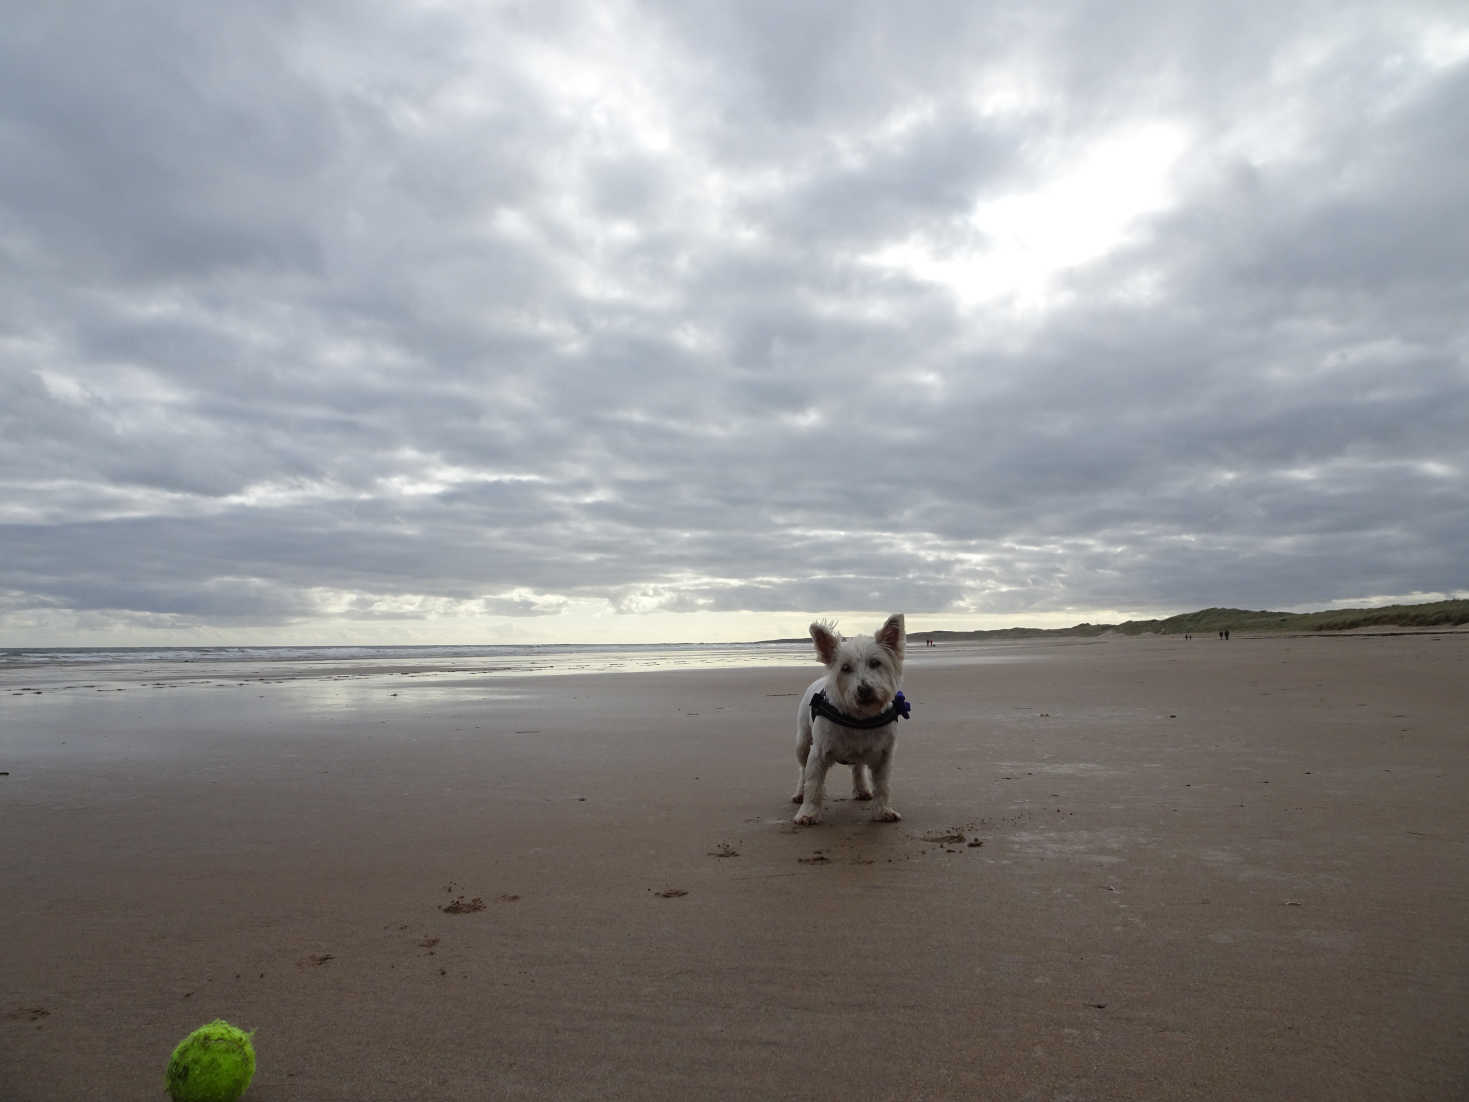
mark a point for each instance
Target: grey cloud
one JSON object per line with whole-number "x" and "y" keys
{"x": 928, "y": 178}
{"x": 139, "y": 142}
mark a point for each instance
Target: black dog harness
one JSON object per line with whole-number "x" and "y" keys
{"x": 900, "y": 707}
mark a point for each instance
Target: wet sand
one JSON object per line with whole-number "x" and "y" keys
{"x": 1128, "y": 868}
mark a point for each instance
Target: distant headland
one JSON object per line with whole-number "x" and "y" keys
{"x": 1206, "y": 621}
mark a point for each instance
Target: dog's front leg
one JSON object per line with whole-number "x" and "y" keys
{"x": 813, "y": 788}
{"x": 803, "y": 751}
{"x": 881, "y": 767}
{"x": 860, "y": 789}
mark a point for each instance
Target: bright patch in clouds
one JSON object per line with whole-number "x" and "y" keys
{"x": 1020, "y": 243}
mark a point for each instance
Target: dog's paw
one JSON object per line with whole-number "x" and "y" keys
{"x": 861, "y": 794}
{"x": 806, "y": 818}
{"x": 887, "y": 815}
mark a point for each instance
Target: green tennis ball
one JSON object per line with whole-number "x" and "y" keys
{"x": 212, "y": 1064}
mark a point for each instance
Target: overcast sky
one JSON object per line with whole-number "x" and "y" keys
{"x": 447, "y": 322}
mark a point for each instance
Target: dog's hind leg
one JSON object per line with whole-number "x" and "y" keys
{"x": 860, "y": 788}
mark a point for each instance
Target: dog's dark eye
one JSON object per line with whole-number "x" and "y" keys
{"x": 873, "y": 663}
{"x": 846, "y": 667}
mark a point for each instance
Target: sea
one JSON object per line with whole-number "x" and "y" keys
{"x": 34, "y": 669}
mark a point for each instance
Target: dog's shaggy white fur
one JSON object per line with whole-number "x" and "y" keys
{"x": 863, "y": 675}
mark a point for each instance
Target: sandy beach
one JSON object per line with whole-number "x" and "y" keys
{"x": 1128, "y": 869}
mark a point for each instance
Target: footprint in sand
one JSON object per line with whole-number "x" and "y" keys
{"x": 462, "y": 906}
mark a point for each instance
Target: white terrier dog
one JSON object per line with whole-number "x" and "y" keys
{"x": 850, "y": 716}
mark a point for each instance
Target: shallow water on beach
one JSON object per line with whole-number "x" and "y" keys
{"x": 35, "y": 670}
{"x": 109, "y": 706}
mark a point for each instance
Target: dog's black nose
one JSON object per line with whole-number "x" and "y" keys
{"x": 864, "y": 692}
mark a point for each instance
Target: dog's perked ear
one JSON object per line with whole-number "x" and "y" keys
{"x": 893, "y": 634}
{"x": 823, "y": 634}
